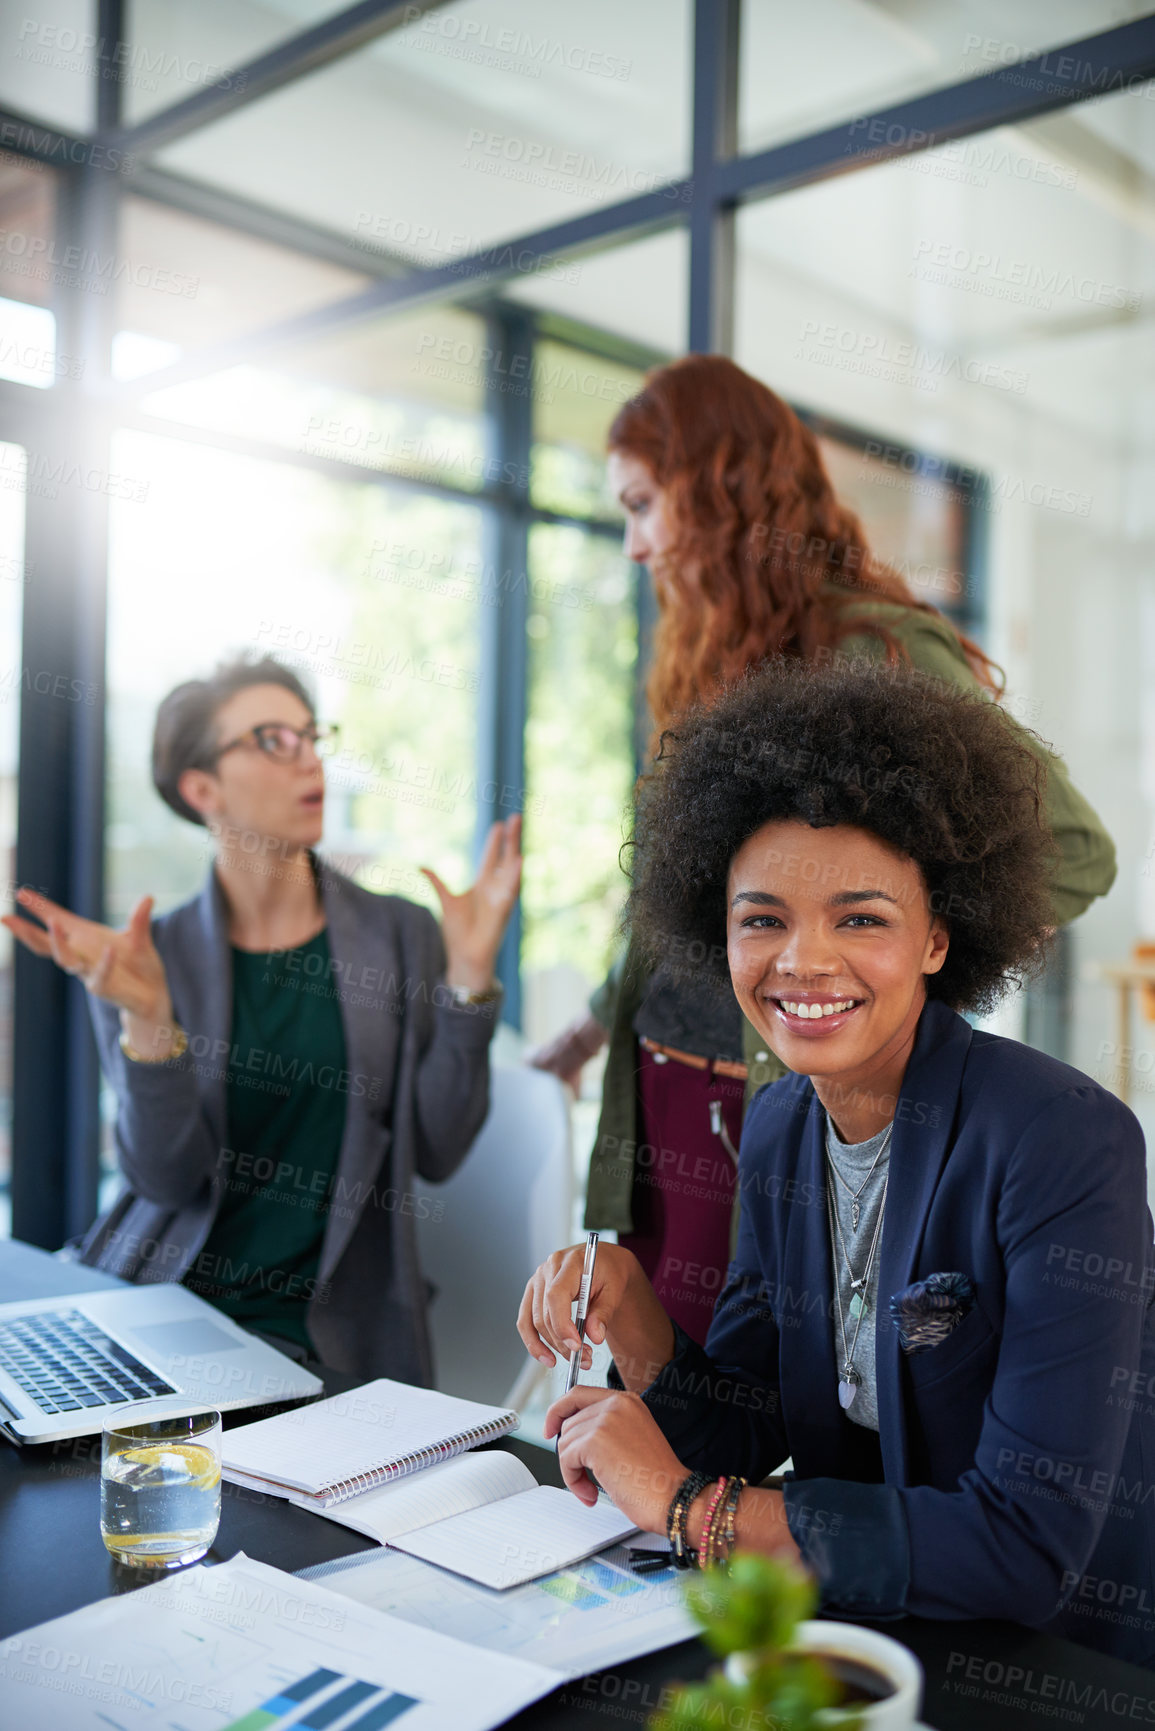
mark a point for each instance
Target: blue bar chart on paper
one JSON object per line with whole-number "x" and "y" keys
{"x": 243, "y": 1647}
{"x": 284, "y": 1707}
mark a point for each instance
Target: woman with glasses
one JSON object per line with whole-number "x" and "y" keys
{"x": 289, "y": 1052}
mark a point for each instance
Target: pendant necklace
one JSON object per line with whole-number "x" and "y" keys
{"x": 850, "y": 1380}
{"x": 854, "y": 1195}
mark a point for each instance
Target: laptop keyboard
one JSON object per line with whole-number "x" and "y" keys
{"x": 65, "y": 1362}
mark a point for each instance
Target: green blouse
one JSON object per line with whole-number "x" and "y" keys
{"x": 286, "y": 1120}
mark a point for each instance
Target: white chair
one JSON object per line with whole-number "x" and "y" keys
{"x": 486, "y": 1230}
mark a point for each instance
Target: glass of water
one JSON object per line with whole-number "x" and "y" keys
{"x": 160, "y": 1483}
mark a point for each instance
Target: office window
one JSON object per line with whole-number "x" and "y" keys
{"x": 576, "y": 396}
{"x": 13, "y": 575}
{"x": 579, "y": 767}
{"x": 29, "y": 258}
{"x": 371, "y": 595}
{"x": 47, "y": 66}
{"x": 401, "y": 395}
{"x": 638, "y": 291}
{"x": 470, "y": 125}
{"x": 184, "y": 283}
{"x": 901, "y": 384}
{"x": 28, "y": 345}
{"x": 804, "y": 68}
{"x": 921, "y": 525}
{"x": 174, "y": 50}
{"x": 582, "y": 729}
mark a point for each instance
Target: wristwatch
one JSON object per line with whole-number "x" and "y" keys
{"x": 465, "y": 999}
{"x": 179, "y": 1047}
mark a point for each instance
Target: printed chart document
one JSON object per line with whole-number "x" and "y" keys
{"x": 340, "y": 1448}
{"x": 243, "y": 1646}
{"x": 576, "y": 1621}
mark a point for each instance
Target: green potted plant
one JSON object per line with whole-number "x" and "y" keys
{"x": 783, "y": 1669}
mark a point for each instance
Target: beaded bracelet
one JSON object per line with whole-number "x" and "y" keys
{"x": 704, "y": 1549}
{"x": 718, "y": 1535}
{"x": 726, "y": 1534}
{"x": 676, "y": 1518}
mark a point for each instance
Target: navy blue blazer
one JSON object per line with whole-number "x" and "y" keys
{"x": 1013, "y": 1474}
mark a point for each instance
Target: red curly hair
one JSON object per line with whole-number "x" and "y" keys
{"x": 759, "y": 535}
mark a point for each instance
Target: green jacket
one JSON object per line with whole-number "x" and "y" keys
{"x": 1085, "y": 868}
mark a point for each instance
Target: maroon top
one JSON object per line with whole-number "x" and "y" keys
{"x": 683, "y": 1187}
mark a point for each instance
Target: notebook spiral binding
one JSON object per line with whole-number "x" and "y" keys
{"x": 426, "y": 1457}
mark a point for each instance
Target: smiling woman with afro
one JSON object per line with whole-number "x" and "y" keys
{"x": 944, "y": 1252}
{"x": 935, "y": 773}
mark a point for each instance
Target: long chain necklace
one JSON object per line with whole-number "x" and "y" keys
{"x": 855, "y": 1194}
{"x": 851, "y": 1380}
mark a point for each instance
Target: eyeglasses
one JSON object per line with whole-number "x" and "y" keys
{"x": 283, "y": 743}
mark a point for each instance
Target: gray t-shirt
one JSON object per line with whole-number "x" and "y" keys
{"x": 852, "y": 1161}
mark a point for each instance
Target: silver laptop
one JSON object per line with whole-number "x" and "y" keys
{"x": 83, "y": 1342}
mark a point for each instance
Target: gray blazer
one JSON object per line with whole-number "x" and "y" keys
{"x": 417, "y": 1087}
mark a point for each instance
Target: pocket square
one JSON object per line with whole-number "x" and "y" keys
{"x": 928, "y": 1310}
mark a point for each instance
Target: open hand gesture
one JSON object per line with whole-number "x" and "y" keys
{"x": 474, "y": 922}
{"x": 124, "y": 967}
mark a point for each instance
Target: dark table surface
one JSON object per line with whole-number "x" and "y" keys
{"x": 979, "y": 1676}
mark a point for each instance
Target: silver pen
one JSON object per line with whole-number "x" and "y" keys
{"x": 583, "y": 1304}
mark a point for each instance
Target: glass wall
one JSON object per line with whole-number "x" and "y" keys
{"x": 14, "y": 573}
{"x": 176, "y": 50}
{"x": 583, "y": 646}
{"x": 188, "y": 284}
{"x": 921, "y": 523}
{"x": 872, "y": 55}
{"x": 47, "y": 65}
{"x": 583, "y": 682}
{"x": 468, "y": 126}
{"x": 404, "y": 396}
{"x": 29, "y": 267}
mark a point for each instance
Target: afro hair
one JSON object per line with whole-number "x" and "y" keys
{"x": 939, "y": 774}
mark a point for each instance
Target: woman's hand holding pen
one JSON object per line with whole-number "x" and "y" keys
{"x": 609, "y": 1438}
{"x": 623, "y": 1310}
{"x": 614, "y": 1438}
{"x": 546, "y": 1321}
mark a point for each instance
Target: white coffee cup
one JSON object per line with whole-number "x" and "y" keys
{"x": 899, "y": 1712}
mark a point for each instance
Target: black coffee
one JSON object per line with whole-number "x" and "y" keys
{"x": 859, "y": 1684}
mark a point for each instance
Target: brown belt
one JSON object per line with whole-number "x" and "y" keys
{"x": 719, "y": 1066}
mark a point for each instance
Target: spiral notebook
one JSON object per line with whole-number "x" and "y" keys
{"x": 324, "y": 1454}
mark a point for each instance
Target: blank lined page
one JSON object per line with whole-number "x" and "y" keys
{"x": 452, "y": 1488}
{"x": 370, "y": 1428}
{"x": 520, "y": 1538}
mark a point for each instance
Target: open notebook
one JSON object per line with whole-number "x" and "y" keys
{"x": 380, "y": 1460}
{"x": 339, "y": 1448}
{"x": 486, "y": 1517}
